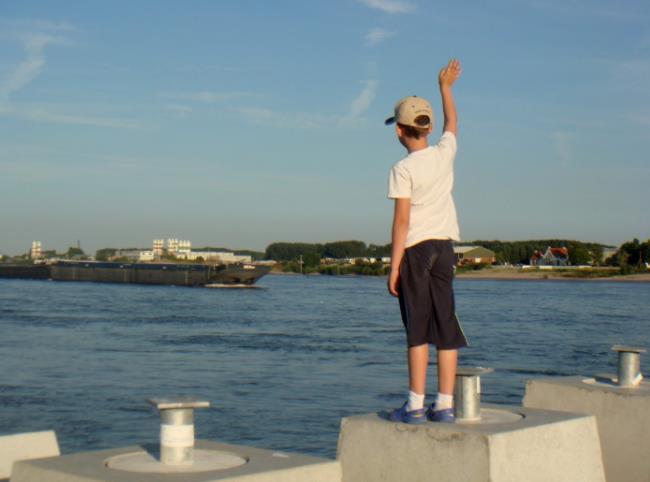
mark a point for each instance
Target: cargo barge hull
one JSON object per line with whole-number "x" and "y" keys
{"x": 140, "y": 273}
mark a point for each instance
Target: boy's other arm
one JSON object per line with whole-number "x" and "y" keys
{"x": 446, "y": 78}
{"x": 401, "y": 218}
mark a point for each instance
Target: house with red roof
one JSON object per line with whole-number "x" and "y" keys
{"x": 551, "y": 257}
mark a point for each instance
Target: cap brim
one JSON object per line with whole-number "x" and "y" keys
{"x": 389, "y": 121}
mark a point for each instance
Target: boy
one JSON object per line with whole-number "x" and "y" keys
{"x": 422, "y": 264}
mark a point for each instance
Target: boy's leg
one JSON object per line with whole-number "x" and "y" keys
{"x": 447, "y": 364}
{"x": 443, "y": 408}
{"x": 413, "y": 410}
{"x": 418, "y": 358}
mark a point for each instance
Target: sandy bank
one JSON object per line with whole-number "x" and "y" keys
{"x": 517, "y": 274}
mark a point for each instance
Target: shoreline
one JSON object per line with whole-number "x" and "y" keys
{"x": 500, "y": 274}
{"x": 507, "y": 274}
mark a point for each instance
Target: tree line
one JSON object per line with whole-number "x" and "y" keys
{"x": 520, "y": 252}
{"x": 632, "y": 255}
{"x": 283, "y": 251}
{"x": 513, "y": 252}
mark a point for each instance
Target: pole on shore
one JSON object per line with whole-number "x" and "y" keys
{"x": 467, "y": 393}
{"x": 629, "y": 365}
{"x": 177, "y": 428}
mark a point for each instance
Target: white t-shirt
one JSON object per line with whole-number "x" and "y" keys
{"x": 427, "y": 178}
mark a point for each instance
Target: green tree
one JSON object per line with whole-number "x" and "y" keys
{"x": 74, "y": 252}
{"x": 579, "y": 255}
{"x": 290, "y": 251}
{"x": 644, "y": 252}
{"x": 630, "y": 253}
{"x": 345, "y": 249}
{"x": 105, "y": 253}
{"x": 311, "y": 260}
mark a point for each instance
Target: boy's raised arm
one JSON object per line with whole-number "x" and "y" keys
{"x": 446, "y": 78}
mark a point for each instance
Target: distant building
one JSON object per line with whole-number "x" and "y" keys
{"x": 266, "y": 262}
{"x": 128, "y": 254}
{"x": 474, "y": 255}
{"x": 219, "y": 257}
{"x": 182, "y": 249}
{"x": 609, "y": 253}
{"x": 551, "y": 257}
{"x": 147, "y": 256}
{"x": 37, "y": 250}
{"x": 172, "y": 246}
{"x": 158, "y": 247}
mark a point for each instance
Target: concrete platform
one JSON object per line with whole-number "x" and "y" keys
{"x": 623, "y": 416}
{"x": 519, "y": 444}
{"x": 25, "y": 446}
{"x": 261, "y": 466}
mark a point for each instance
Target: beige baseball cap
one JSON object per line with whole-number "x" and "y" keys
{"x": 408, "y": 109}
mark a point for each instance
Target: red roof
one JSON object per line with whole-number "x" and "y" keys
{"x": 564, "y": 252}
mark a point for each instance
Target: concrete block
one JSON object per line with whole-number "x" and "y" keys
{"x": 509, "y": 444}
{"x": 260, "y": 466}
{"x": 622, "y": 414}
{"x": 24, "y": 446}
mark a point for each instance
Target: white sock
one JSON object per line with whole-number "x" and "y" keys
{"x": 444, "y": 401}
{"x": 416, "y": 401}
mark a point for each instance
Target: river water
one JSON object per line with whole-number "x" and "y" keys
{"x": 281, "y": 363}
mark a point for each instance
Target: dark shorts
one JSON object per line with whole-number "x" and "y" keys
{"x": 426, "y": 295}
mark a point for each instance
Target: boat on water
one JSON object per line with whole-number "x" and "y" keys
{"x": 179, "y": 274}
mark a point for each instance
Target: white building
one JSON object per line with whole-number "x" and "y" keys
{"x": 158, "y": 247}
{"x": 147, "y": 256}
{"x": 172, "y": 246}
{"x": 220, "y": 257}
{"x": 37, "y": 250}
{"x": 184, "y": 249}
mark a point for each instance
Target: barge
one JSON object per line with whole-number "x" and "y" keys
{"x": 140, "y": 273}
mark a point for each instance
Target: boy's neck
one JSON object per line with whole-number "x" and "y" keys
{"x": 413, "y": 145}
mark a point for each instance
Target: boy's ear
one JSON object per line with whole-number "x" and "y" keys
{"x": 398, "y": 130}
{"x": 430, "y": 130}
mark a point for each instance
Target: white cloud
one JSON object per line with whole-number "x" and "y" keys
{"x": 17, "y": 26}
{"x": 389, "y": 6}
{"x": 35, "y": 36}
{"x": 40, "y": 115}
{"x": 361, "y": 103}
{"x": 30, "y": 68}
{"x": 304, "y": 120}
{"x": 180, "y": 110}
{"x": 207, "y": 96}
{"x": 299, "y": 120}
{"x": 583, "y": 8}
{"x": 376, "y": 36}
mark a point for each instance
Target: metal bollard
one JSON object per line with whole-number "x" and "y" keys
{"x": 467, "y": 393}
{"x": 177, "y": 428}
{"x": 629, "y": 365}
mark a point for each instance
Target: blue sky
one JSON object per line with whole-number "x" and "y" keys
{"x": 243, "y": 123}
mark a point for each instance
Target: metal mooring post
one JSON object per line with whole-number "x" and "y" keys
{"x": 177, "y": 428}
{"x": 467, "y": 393}
{"x": 629, "y": 365}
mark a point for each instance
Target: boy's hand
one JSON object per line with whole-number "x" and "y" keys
{"x": 393, "y": 282}
{"x": 449, "y": 74}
